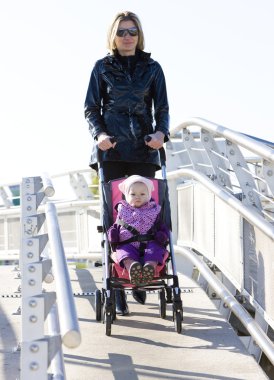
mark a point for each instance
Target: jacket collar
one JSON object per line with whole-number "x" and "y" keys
{"x": 142, "y": 56}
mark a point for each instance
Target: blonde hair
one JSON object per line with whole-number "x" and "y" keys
{"x": 125, "y": 16}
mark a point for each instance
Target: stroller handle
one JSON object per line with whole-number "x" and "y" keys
{"x": 147, "y": 138}
{"x": 113, "y": 140}
{"x": 162, "y": 151}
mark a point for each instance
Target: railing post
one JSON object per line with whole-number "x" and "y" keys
{"x": 34, "y": 347}
{"x": 37, "y": 350}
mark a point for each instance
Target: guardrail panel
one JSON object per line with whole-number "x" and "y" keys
{"x": 263, "y": 272}
{"x": 185, "y": 212}
{"x": 229, "y": 242}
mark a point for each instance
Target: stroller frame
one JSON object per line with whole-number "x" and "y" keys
{"x": 167, "y": 285}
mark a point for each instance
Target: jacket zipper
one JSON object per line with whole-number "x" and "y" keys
{"x": 131, "y": 124}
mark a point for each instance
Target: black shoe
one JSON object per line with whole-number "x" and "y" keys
{"x": 139, "y": 296}
{"x": 121, "y": 302}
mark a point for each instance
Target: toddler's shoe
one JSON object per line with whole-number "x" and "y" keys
{"x": 148, "y": 273}
{"x": 135, "y": 273}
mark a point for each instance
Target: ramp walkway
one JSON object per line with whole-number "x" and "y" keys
{"x": 221, "y": 191}
{"x": 142, "y": 345}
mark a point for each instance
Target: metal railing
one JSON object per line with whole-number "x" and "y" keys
{"x": 38, "y": 351}
{"x": 222, "y": 193}
{"x": 76, "y": 199}
{"x": 260, "y": 339}
{"x": 253, "y": 218}
{"x": 79, "y": 184}
{"x": 225, "y": 163}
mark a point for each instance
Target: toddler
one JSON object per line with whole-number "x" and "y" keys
{"x": 137, "y": 215}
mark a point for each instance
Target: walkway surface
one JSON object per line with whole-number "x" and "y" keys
{"x": 142, "y": 345}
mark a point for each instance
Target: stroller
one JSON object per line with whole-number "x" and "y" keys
{"x": 115, "y": 277}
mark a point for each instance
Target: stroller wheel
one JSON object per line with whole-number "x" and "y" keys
{"x": 162, "y": 303}
{"x": 177, "y": 317}
{"x": 109, "y": 312}
{"x": 108, "y": 322}
{"x": 98, "y": 304}
{"x": 168, "y": 295}
{"x": 177, "y": 310}
{"x": 113, "y": 313}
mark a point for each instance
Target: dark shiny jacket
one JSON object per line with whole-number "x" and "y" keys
{"x": 127, "y": 108}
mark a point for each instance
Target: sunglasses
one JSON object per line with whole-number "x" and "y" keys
{"x": 123, "y": 32}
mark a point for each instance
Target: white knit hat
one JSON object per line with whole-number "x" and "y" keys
{"x": 125, "y": 185}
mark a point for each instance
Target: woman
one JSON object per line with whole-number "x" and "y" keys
{"x": 127, "y": 100}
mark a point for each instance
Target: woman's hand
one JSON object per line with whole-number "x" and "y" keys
{"x": 157, "y": 140}
{"x": 104, "y": 142}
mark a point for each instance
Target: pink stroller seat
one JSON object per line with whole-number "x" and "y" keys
{"x": 120, "y": 272}
{"x": 117, "y": 270}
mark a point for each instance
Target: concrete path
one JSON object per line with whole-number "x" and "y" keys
{"x": 142, "y": 345}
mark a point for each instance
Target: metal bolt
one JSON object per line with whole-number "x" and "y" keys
{"x": 29, "y": 232}
{"x": 29, "y": 208}
{"x": 206, "y": 139}
{"x": 31, "y": 282}
{"x": 30, "y": 243}
{"x": 33, "y": 319}
{"x": 34, "y": 366}
{"x": 32, "y": 268}
{"x": 225, "y": 305}
{"x": 32, "y": 303}
{"x": 34, "y": 348}
{"x": 30, "y": 255}
{"x": 29, "y": 198}
{"x": 269, "y": 173}
{"x": 29, "y": 221}
{"x": 232, "y": 152}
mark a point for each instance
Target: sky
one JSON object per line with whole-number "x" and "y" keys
{"x": 217, "y": 56}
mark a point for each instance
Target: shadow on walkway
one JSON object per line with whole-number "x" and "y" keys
{"x": 123, "y": 368}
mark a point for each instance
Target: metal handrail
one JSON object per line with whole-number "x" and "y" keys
{"x": 47, "y": 184}
{"x": 235, "y": 137}
{"x": 35, "y": 265}
{"x": 75, "y": 171}
{"x": 254, "y": 218}
{"x": 216, "y": 158}
{"x": 57, "y": 363}
{"x": 251, "y": 325}
{"x": 69, "y": 326}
